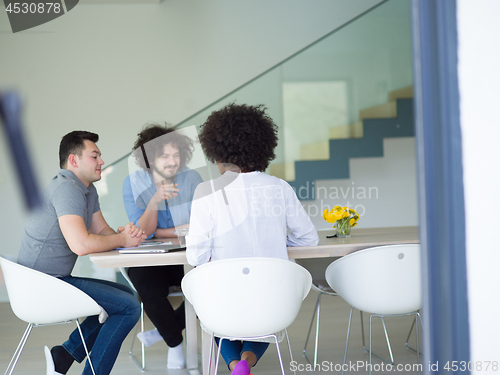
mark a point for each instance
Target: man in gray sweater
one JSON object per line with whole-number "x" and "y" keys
{"x": 69, "y": 224}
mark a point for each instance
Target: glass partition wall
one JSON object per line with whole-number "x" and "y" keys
{"x": 323, "y": 92}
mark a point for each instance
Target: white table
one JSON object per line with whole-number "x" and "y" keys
{"x": 361, "y": 238}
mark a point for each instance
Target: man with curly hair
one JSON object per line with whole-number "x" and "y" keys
{"x": 158, "y": 197}
{"x": 244, "y": 212}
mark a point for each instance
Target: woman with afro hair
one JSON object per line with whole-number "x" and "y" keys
{"x": 244, "y": 212}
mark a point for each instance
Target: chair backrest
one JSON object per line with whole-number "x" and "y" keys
{"x": 247, "y": 297}
{"x": 381, "y": 280}
{"x": 36, "y": 297}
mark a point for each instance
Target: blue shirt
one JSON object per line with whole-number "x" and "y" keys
{"x": 138, "y": 189}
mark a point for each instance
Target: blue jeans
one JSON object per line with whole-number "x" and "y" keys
{"x": 103, "y": 340}
{"x": 231, "y": 350}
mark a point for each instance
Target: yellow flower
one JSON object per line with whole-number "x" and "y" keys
{"x": 338, "y": 213}
{"x": 328, "y": 216}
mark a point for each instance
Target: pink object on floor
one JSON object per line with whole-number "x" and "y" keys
{"x": 241, "y": 368}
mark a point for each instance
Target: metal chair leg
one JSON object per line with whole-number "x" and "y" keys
{"x": 418, "y": 344}
{"x": 386, "y": 337}
{"x": 17, "y": 353}
{"x": 347, "y": 340}
{"x": 370, "y": 351}
{"x": 218, "y": 356}
{"x": 212, "y": 343}
{"x": 85, "y": 346}
{"x": 415, "y": 324}
{"x": 388, "y": 342}
{"x": 289, "y": 349}
{"x": 409, "y": 334}
{"x": 24, "y": 339}
{"x": 370, "y": 345}
{"x": 279, "y": 354}
{"x": 317, "y": 313}
{"x": 143, "y": 351}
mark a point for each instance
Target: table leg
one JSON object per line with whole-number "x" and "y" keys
{"x": 191, "y": 335}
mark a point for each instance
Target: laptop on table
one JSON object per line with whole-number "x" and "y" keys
{"x": 152, "y": 247}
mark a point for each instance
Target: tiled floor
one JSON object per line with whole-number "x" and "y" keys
{"x": 334, "y": 317}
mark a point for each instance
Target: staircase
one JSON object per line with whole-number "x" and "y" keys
{"x": 393, "y": 119}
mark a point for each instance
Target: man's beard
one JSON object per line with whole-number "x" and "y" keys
{"x": 165, "y": 175}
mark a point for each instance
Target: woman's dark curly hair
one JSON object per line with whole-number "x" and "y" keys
{"x": 153, "y": 138}
{"x": 242, "y": 135}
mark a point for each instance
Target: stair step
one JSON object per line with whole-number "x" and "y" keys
{"x": 357, "y": 130}
{"x": 285, "y": 171}
{"x": 341, "y": 150}
{"x": 315, "y": 151}
{"x": 386, "y": 110}
{"x": 403, "y": 93}
{"x": 340, "y": 132}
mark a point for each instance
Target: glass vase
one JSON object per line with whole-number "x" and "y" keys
{"x": 343, "y": 228}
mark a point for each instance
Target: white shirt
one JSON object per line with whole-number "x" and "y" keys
{"x": 246, "y": 215}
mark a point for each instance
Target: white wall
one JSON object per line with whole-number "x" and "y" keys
{"x": 111, "y": 68}
{"x": 479, "y": 79}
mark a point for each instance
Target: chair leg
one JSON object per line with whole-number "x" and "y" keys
{"x": 362, "y": 331}
{"x": 142, "y": 366}
{"x": 289, "y": 348}
{"x": 370, "y": 343}
{"x": 418, "y": 344}
{"x": 218, "y": 356}
{"x": 347, "y": 340}
{"x": 370, "y": 346}
{"x": 20, "y": 347}
{"x": 386, "y": 337}
{"x": 415, "y": 324}
{"x": 212, "y": 343}
{"x": 85, "y": 346}
{"x": 279, "y": 354}
{"x": 317, "y": 314}
{"x": 388, "y": 342}
{"x": 409, "y": 334}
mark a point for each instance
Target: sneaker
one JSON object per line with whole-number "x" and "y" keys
{"x": 50, "y": 362}
{"x": 241, "y": 368}
{"x": 51, "y": 369}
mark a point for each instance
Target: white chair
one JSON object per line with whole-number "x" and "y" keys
{"x": 317, "y": 268}
{"x": 174, "y": 292}
{"x": 40, "y": 299}
{"x": 383, "y": 281}
{"x": 221, "y": 294}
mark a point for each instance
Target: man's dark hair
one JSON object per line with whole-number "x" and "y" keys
{"x": 152, "y": 139}
{"x": 73, "y": 143}
{"x": 242, "y": 135}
